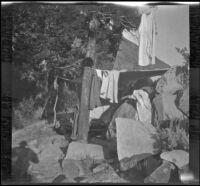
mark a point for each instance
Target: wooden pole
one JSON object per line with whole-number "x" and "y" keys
{"x": 83, "y": 120}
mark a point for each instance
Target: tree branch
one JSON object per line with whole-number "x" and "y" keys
{"x": 68, "y": 66}
{"x": 64, "y": 78}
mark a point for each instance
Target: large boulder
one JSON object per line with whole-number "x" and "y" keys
{"x": 179, "y": 157}
{"x": 108, "y": 175}
{"x": 135, "y": 142}
{"x": 173, "y": 80}
{"x": 49, "y": 165}
{"x": 73, "y": 169}
{"x": 82, "y": 151}
{"x": 125, "y": 110}
{"x": 161, "y": 174}
{"x": 184, "y": 101}
{"x": 165, "y": 108}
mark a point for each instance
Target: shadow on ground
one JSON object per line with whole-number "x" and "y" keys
{"x": 21, "y": 158}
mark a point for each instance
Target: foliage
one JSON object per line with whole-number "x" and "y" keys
{"x": 174, "y": 138}
{"x": 49, "y": 36}
{"x": 25, "y": 113}
{"x": 185, "y": 54}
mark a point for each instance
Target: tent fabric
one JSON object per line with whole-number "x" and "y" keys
{"x": 131, "y": 77}
{"x": 128, "y": 56}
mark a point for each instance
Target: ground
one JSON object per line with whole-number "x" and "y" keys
{"x": 45, "y": 161}
{"x": 49, "y": 169}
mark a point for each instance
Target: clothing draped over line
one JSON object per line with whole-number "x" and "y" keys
{"x": 104, "y": 84}
{"x": 147, "y": 40}
{"x": 94, "y": 97}
{"x": 109, "y": 87}
{"x": 144, "y": 108}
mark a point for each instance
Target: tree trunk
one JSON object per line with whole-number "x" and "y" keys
{"x": 91, "y": 47}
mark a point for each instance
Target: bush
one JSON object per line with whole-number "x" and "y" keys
{"x": 17, "y": 119}
{"x": 26, "y": 107}
{"x": 174, "y": 138}
{"x": 25, "y": 114}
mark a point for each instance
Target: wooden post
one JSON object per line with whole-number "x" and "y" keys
{"x": 83, "y": 121}
{"x": 75, "y": 124}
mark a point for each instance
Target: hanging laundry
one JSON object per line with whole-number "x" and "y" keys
{"x": 109, "y": 87}
{"x": 94, "y": 97}
{"x": 147, "y": 40}
{"x": 144, "y": 108}
{"x": 99, "y": 74}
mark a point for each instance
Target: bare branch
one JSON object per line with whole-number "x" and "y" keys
{"x": 54, "y": 108}
{"x": 64, "y": 78}
{"x": 68, "y": 66}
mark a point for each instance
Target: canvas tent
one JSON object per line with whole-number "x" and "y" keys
{"x": 134, "y": 45}
{"x": 127, "y": 58}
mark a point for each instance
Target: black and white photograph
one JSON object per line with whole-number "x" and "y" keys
{"x": 100, "y": 94}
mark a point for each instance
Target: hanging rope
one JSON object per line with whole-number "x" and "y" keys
{"x": 55, "y": 123}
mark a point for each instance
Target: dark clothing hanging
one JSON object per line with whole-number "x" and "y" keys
{"x": 94, "y": 97}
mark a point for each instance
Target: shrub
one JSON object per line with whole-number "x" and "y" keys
{"x": 26, "y": 107}
{"x": 17, "y": 119}
{"x": 174, "y": 138}
{"x": 25, "y": 114}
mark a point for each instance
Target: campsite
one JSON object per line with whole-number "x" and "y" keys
{"x": 92, "y": 101}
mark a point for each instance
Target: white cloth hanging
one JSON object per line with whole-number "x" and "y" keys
{"x": 99, "y": 74}
{"x": 144, "y": 108}
{"x": 109, "y": 87}
{"x": 147, "y": 40}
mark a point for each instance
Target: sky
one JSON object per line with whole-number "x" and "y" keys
{"x": 173, "y": 31}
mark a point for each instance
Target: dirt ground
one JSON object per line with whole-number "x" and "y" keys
{"x": 42, "y": 134}
{"x": 51, "y": 167}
